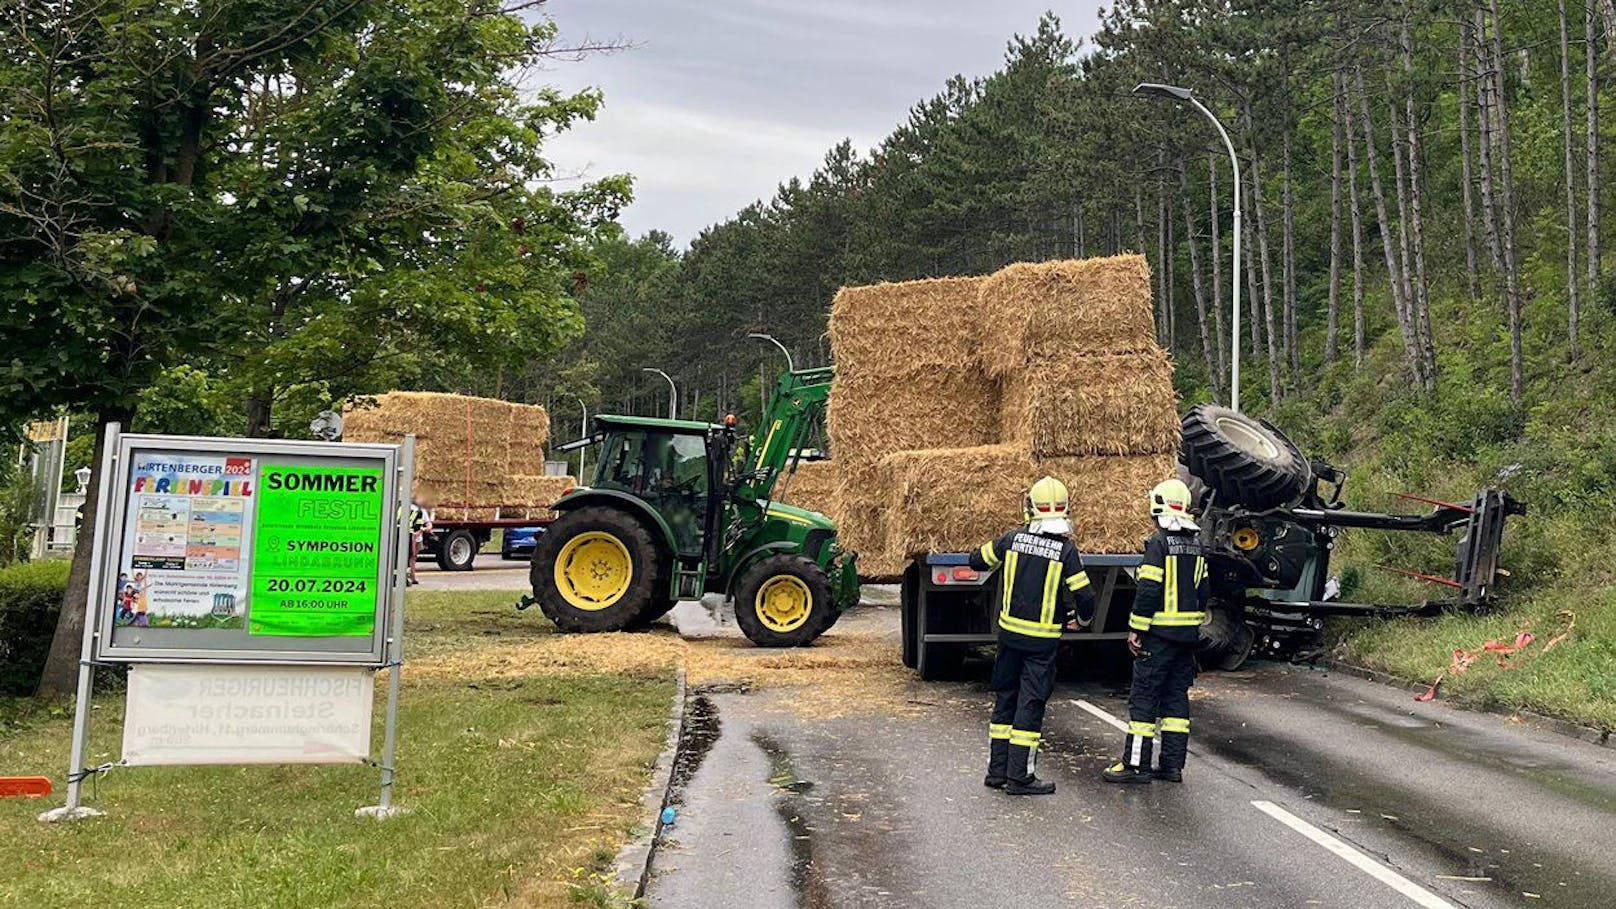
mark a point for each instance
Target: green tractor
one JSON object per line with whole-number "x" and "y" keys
{"x": 678, "y": 509}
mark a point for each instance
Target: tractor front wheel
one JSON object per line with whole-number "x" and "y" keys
{"x": 783, "y": 601}
{"x": 597, "y": 569}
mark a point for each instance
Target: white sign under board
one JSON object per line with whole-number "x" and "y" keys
{"x": 221, "y": 714}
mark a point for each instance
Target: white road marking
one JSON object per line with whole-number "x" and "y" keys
{"x": 1376, "y": 870}
{"x": 1102, "y": 714}
{"x": 1355, "y": 858}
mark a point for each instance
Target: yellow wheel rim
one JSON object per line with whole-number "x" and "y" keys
{"x": 784, "y": 603}
{"x": 593, "y": 570}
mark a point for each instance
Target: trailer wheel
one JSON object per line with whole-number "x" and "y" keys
{"x": 1247, "y": 462}
{"x": 783, "y": 601}
{"x": 458, "y": 551}
{"x": 597, "y": 569}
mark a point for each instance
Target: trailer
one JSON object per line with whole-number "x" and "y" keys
{"x": 947, "y": 608}
{"x": 1269, "y": 523}
{"x": 455, "y": 544}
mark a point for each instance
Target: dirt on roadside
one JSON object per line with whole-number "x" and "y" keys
{"x": 853, "y": 669}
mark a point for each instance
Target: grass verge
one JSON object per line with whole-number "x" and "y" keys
{"x": 522, "y": 788}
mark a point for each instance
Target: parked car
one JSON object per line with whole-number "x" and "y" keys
{"x": 519, "y": 542}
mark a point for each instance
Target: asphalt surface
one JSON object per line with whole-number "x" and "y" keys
{"x": 489, "y": 572}
{"x": 1303, "y": 789}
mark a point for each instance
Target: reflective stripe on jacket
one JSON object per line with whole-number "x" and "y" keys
{"x": 1039, "y": 575}
{"x": 1173, "y": 587}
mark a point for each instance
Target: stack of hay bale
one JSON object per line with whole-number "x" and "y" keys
{"x": 952, "y": 396}
{"x": 473, "y": 456}
{"x": 813, "y": 486}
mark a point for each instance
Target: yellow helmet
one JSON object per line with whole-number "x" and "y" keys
{"x": 1047, "y": 500}
{"x": 1170, "y": 505}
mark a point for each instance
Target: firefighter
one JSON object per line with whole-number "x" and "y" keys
{"x": 1169, "y": 608}
{"x": 1041, "y": 581}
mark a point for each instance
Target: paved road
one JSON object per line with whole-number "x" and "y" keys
{"x": 489, "y": 572}
{"x": 1304, "y": 789}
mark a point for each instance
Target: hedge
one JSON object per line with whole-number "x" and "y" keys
{"x": 30, "y": 598}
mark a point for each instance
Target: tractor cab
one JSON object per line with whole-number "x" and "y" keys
{"x": 667, "y": 464}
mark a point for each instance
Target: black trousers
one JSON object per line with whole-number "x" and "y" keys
{"x": 1023, "y": 679}
{"x": 1160, "y": 695}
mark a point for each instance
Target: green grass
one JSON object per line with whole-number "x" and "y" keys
{"x": 521, "y": 790}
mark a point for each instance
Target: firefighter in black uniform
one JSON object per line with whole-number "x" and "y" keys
{"x": 1164, "y": 630}
{"x": 1042, "y": 585}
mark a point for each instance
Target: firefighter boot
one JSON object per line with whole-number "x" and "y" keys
{"x": 1021, "y": 780}
{"x": 1136, "y": 750}
{"x": 1168, "y": 775}
{"x": 998, "y": 759}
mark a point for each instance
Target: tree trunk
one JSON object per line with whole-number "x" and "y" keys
{"x": 1356, "y": 207}
{"x": 1214, "y": 376}
{"x": 1422, "y": 287}
{"x": 1217, "y": 267}
{"x": 1595, "y": 253}
{"x": 1573, "y": 273}
{"x": 1377, "y": 192}
{"x": 1253, "y": 291}
{"x": 1332, "y": 326}
{"x": 1409, "y": 311}
{"x": 1506, "y": 203}
{"x": 1484, "y": 124}
{"x": 1293, "y": 347}
{"x": 259, "y": 405}
{"x": 1270, "y": 327}
{"x": 1465, "y": 180}
{"x": 60, "y": 678}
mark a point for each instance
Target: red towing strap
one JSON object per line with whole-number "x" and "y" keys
{"x": 1501, "y": 651}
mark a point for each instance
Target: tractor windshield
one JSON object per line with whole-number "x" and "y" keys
{"x": 667, "y": 470}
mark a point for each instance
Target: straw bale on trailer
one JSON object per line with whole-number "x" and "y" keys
{"x": 956, "y": 499}
{"x": 467, "y": 449}
{"x": 1098, "y": 404}
{"x": 870, "y": 416}
{"x": 880, "y": 328}
{"x": 1036, "y": 312}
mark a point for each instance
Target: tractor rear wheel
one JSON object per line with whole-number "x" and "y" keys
{"x": 783, "y": 601}
{"x": 598, "y": 569}
{"x": 1247, "y": 462}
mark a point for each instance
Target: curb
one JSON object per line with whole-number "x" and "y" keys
{"x": 634, "y": 859}
{"x": 1566, "y": 728}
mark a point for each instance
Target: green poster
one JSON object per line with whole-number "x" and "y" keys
{"x": 316, "y": 551}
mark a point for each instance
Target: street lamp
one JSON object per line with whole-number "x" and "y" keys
{"x": 1183, "y": 96}
{"x": 583, "y": 434}
{"x": 673, "y": 391}
{"x": 82, "y": 477}
{"x": 791, "y": 365}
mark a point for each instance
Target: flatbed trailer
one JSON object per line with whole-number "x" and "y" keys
{"x": 948, "y": 607}
{"x": 456, "y": 543}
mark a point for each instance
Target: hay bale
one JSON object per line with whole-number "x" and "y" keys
{"x": 465, "y": 447}
{"x": 877, "y": 328}
{"x": 814, "y": 485}
{"x": 1102, "y": 404}
{"x": 1037, "y": 312}
{"x": 537, "y": 493}
{"x": 952, "y": 500}
{"x": 870, "y": 417}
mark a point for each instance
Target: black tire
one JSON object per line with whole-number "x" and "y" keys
{"x": 457, "y": 551}
{"x": 1247, "y": 462}
{"x": 1226, "y": 640}
{"x": 620, "y": 536}
{"x": 770, "y": 578}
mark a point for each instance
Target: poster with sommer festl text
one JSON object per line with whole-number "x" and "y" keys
{"x": 316, "y": 556}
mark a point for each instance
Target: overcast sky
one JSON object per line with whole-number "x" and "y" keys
{"x": 719, "y": 101}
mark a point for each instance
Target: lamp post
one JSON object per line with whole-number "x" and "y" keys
{"x": 1185, "y": 96}
{"x": 673, "y": 391}
{"x": 583, "y": 434}
{"x": 791, "y": 364}
{"x": 763, "y": 390}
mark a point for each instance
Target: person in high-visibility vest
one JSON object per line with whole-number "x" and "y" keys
{"x": 1042, "y": 588}
{"x": 1164, "y": 630}
{"x": 420, "y": 526}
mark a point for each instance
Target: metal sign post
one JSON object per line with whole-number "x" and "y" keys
{"x": 395, "y": 665}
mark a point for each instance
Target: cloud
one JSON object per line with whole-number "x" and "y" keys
{"x": 719, "y": 101}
